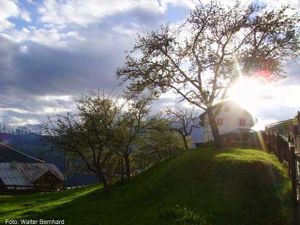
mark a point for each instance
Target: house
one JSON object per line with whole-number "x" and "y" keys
{"x": 20, "y": 171}
{"x": 231, "y": 118}
{"x": 30, "y": 176}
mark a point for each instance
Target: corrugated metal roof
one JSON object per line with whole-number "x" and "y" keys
{"x": 24, "y": 174}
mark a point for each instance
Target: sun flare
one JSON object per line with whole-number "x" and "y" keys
{"x": 250, "y": 92}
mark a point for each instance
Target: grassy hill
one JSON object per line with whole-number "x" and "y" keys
{"x": 202, "y": 187}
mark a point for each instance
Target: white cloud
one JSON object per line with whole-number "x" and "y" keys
{"x": 287, "y": 96}
{"x": 56, "y": 25}
{"x": 8, "y": 9}
{"x": 188, "y": 3}
{"x": 17, "y": 121}
{"x": 278, "y": 3}
{"x": 24, "y": 14}
{"x": 46, "y": 110}
{"x": 17, "y": 110}
{"x": 261, "y": 124}
{"x": 53, "y": 110}
{"x": 128, "y": 29}
{"x": 83, "y": 12}
{"x": 56, "y": 97}
{"x": 46, "y": 36}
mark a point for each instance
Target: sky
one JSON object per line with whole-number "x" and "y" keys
{"x": 53, "y": 50}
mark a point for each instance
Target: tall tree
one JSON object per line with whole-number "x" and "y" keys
{"x": 88, "y": 133}
{"x": 201, "y": 58}
{"x": 128, "y": 127}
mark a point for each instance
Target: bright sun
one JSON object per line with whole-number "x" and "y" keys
{"x": 258, "y": 93}
{"x": 249, "y": 92}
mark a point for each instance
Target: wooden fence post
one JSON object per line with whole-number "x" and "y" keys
{"x": 293, "y": 167}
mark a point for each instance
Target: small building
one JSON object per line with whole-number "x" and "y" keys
{"x": 30, "y": 176}
{"x": 230, "y": 118}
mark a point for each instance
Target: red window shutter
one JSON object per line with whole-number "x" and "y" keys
{"x": 242, "y": 122}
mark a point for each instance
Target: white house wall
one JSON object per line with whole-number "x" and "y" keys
{"x": 231, "y": 121}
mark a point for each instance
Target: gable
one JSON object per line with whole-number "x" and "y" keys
{"x": 24, "y": 174}
{"x": 228, "y": 109}
{"x": 46, "y": 177}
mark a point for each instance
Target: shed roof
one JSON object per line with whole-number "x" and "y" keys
{"x": 24, "y": 174}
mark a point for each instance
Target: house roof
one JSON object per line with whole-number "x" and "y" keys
{"x": 229, "y": 102}
{"x": 11, "y": 176}
{"x": 24, "y": 174}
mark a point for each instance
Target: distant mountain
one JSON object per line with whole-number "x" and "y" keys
{"x": 26, "y": 129}
{"x": 4, "y": 128}
{"x": 32, "y": 128}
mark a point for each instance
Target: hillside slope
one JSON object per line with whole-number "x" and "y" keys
{"x": 202, "y": 187}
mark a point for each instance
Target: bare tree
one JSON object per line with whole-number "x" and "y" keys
{"x": 183, "y": 120}
{"x": 200, "y": 59}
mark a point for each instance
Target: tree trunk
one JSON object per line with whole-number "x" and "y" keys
{"x": 127, "y": 167}
{"x": 103, "y": 180}
{"x": 214, "y": 128}
{"x": 185, "y": 142}
{"x": 122, "y": 169}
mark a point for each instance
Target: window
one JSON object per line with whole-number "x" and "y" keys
{"x": 220, "y": 121}
{"x": 242, "y": 122}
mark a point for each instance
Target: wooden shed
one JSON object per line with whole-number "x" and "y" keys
{"x": 30, "y": 176}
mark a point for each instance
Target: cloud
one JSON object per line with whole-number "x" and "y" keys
{"x": 278, "y": 3}
{"x": 45, "y": 36}
{"x": 10, "y": 9}
{"x": 52, "y": 51}
{"x": 39, "y": 80}
{"x": 82, "y": 12}
{"x": 46, "y": 70}
{"x": 85, "y": 12}
{"x": 42, "y": 67}
{"x": 25, "y": 15}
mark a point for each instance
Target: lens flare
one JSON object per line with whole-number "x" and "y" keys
{"x": 251, "y": 93}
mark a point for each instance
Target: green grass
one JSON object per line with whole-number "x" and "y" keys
{"x": 202, "y": 187}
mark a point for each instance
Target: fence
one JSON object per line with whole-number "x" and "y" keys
{"x": 22, "y": 189}
{"x": 283, "y": 140}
